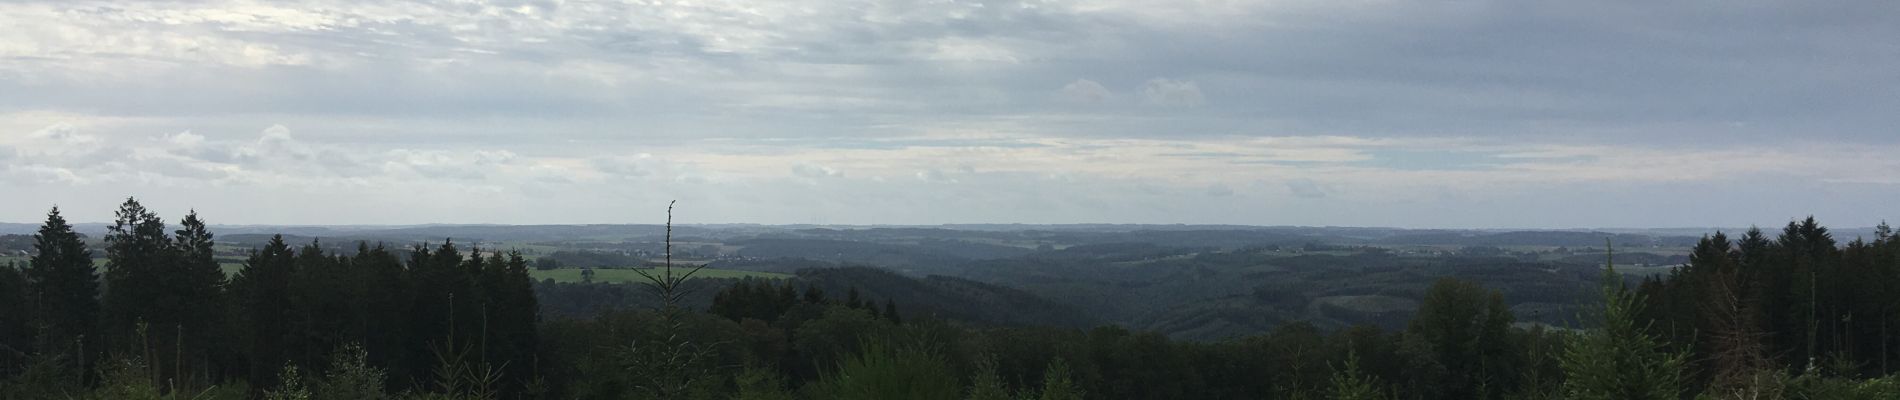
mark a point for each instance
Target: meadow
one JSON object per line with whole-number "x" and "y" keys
{"x": 620, "y": 275}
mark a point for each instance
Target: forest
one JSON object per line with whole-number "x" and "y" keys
{"x": 156, "y": 311}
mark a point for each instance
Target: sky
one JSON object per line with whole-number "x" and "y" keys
{"x": 1454, "y": 114}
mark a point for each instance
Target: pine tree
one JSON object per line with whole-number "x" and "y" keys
{"x": 1057, "y": 384}
{"x": 814, "y": 295}
{"x": 1619, "y": 360}
{"x": 16, "y": 333}
{"x": 1468, "y": 329}
{"x": 984, "y": 383}
{"x": 1349, "y": 383}
{"x": 351, "y": 377}
{"x": 787, "y": 296}
{"x": 323, "y": 304}
{"x": 890, "y": 312}
{"x": 64, "y": 288}
{"x": 512, "y": 316}
{"x": 852, "y": 300}
{"x": 200, "y": 289}
{"x": 139, "y": 280}
{"x": 386, "y": 301}
{"x": 261, "y": 301}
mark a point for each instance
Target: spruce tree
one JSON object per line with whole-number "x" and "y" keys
{"x": 323, "y": 304}
{"x": 984, "y": 383}
{"x": 890, "y": 312}
{"x": 511, "y": 314}
{"x": 200, "y": 289}
{"x": 1350, "y": 383}
{"x": 386, "y": 300}
{"x": 787, "y": 296}
{"x": 1468, "y": 329}
{"x": 139, "y": 279}
{"x": 814, "y": 295}
{"x": 1619, "y": 360}
{"x": 261, "y": 301}
{"x": 64, "y": 288}
{"x": 16, "y": 335}
{"x": 1057, "y": 384}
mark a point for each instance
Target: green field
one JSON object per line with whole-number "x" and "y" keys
{"x": 628, "y": 275}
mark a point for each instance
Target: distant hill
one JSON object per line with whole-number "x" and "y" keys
{"x": 939, "y": 296}
{"x": 951, "y": 298}
{"x": 1535, "y": 238}
{"x": 920, "y": 257}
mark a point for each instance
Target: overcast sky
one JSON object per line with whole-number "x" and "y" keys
{"x": 1506, "y": 113}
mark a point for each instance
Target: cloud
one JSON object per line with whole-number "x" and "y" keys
{"x": 65, "y": 135}
{"x": 1305, "y": 188}
{"x": 1173, "y": 93}
{"x": 816, "y": 171}
{"x": 1104, "y": 179}
{"x": 186, "y": 139}
{"x": 935, "y": 176}
{"x": 640, "y": 165}
{"x": 1219, "y": 190}
{"x": 419, "y": 70}
{"x": 1394, "y": 112}
{"x": 1085, "y": 91}
{"x": 968, "y": 50}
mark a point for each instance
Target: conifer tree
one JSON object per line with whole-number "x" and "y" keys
{"x": 351, "y": 377}
{"x": 512, "y": 316}
{"x": 1468, "y": 329}
{"x": 139, "y": 279}
{"x": 787, "y": 295}
{"x": 16, "y": 335}
{"x": 890, "y": 312}
{"x": 1057, "y": 384}
{"x": 64, "y": 288}
{"x": 200, "y": 290}
{"x": 261, "y": 301}
{"x": 323, "y": 306}
{"x": 385, "y": 301}
{"x": 1619, "y": 360}
{"x": 814, "y": 295}
{"x": 984, "y": 383}
{"x": 1350, "y": 383}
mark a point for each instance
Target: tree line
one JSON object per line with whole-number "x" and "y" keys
{"x": 1797, "y": 302}
{"x": 1796, "y": 317}
{"x": 161, "y": 313}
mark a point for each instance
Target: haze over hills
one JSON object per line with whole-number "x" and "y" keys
{"x": 509, "y": 231}
{"x": 1199, "y": 282}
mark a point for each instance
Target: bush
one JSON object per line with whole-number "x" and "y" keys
{"x": 886, "y": 371}
{"x": 351, "y": 377}
{"x": 760, "y": 384}
{"x": 126, "y": 379}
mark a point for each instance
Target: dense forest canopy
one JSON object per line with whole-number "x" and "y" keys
{"x": 151, "y": 310}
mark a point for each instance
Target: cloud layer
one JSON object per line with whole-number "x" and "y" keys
{"x": 1482, "y": 113}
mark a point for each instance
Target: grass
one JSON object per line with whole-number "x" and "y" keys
{"x": 628, "y": 275}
